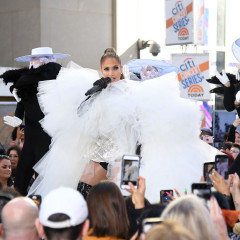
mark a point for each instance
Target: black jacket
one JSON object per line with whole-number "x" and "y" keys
{"x": 26, "y": 81}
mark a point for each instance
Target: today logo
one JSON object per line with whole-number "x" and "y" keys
{"x": 195, "y": 90}
{"x": 183, "y": 34}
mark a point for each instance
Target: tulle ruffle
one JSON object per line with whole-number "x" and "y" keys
{"x": 112, "y": 122}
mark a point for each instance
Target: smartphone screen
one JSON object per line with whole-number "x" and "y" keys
{"x": 164, "y": 198}
{"x": 222, "y": 165}
{"x": 130, "y": 170}
{"x": 150, "y": 222}
{"x": 202, "y": 190}
{"x": 207, "y": 170}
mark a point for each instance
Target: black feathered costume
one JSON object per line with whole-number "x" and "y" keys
{"x": 228, "y": 92}
{"x": 36, "y": 142}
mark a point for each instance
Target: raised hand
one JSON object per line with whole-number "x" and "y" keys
{"x": 12, "y": 121}
{"x": 223, "y": 78}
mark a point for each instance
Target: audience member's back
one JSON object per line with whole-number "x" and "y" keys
{"x": 192, "y": 213}
{"x": 107, "y": 212}
{"x": 169, "y": 230}
{"x": 63, "y": 215}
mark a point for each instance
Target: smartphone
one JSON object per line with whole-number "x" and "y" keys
{"x": 207, "y": 170}
{"x": 130, "y": 170}
{"x": 150, "y": 222}
{"x": 202, "y": 190}
{"x": 222, "y": 165}
{"x": 164, "y": 196}
{"x": 37, "y": 199}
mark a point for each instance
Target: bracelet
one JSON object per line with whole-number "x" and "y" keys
{"x": 18, "y": 141}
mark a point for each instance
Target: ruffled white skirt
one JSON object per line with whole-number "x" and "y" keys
{"x": 109, "y": 125}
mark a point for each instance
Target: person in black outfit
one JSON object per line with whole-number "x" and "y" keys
{"x": 25, "y": 83}
{"x": 229, "y": 84}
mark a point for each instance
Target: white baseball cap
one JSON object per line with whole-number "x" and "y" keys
{"x": 41, "y": 52}
{"x": 66, "y": 201}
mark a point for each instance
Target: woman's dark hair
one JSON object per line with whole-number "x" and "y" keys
{"x": 111, "y": 52}
{"x": 16, "y": 148}
{"x": 4, "y": 157}
{"x": 107, "y": 211}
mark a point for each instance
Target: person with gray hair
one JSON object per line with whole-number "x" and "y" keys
{"x": 191, "y": 212}
{"x": 18, "y": 219}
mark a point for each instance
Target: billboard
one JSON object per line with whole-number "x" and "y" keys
{"x": 184, "y": 22}
{"x": 194, "y": 70}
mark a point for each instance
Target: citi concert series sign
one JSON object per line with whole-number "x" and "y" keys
{"x": 184, "y": 21}
{"x": 194, "y": 70}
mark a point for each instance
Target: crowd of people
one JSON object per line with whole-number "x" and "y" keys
{"x": 61, "y": 175}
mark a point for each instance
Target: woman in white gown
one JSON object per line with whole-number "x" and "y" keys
{"x": 112, "y": 122}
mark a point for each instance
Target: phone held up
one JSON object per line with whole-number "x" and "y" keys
{"x": 164, "y": 197}
{"x": 37, "y": 199}
{"x": 207, "y": 171}
{"x": 202, "y": 190}
{"x": 150, "y": 222}
{"x": 222, "y": 165}
{"x": 130, "y": 170}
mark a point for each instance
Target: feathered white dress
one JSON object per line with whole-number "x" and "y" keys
{"x": 111, "y": 123}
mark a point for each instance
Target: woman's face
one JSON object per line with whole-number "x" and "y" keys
{"x": 234, "y": 151}
{"x": 111, "y": 68}
{"x": 13, "y": 155}
{"x": 5, "y": 169}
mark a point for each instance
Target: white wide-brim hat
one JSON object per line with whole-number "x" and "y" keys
{"x": 236, "y": 49}
{"x": 41, "y": 52}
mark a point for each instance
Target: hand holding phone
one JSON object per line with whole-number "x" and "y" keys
{"x": 130, "y": 170}
{"x": 164, "y": 196}
{"x": 138, "y": 193}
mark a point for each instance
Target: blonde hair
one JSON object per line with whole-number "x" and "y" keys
{"x": 111, "y": 53}
{"x": 191, "y": 212}
{"x": 169, "y": 229}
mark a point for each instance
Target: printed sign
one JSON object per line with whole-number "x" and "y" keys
{"x": 183, "y": 25}
{"x": 194, "y": 70}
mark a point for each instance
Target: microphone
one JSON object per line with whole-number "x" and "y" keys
{"x": 99, "y": 85}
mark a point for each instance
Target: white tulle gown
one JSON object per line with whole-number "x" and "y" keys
{"x": 112, "y": 122}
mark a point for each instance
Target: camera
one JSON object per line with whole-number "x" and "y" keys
{"x": 154, "y": 48}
